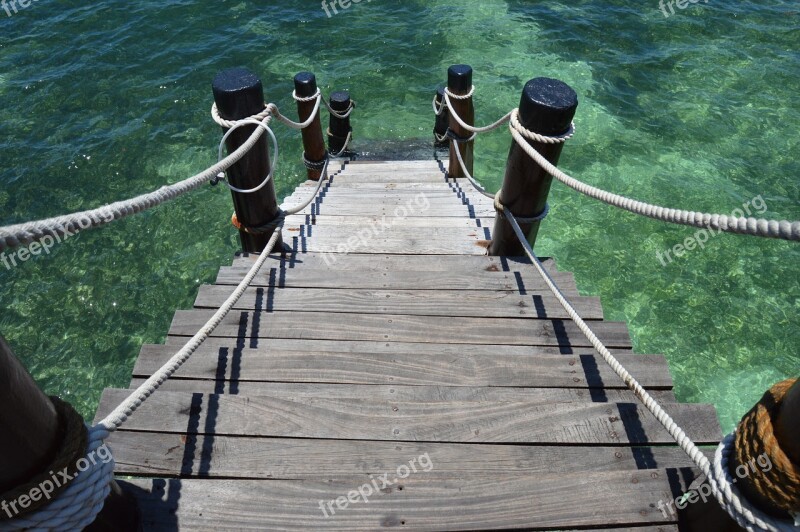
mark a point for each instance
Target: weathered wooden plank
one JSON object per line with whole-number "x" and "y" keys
{"x": 404, "y": 206}
{"x": 399, "y": 328}
{"x": 452, "y": 303}
{"x": 176, "y": 455}
{"x": 377, "y": 222}
{"x": 452, "y": 185}
{"x": 390, "y": 177}
{"x": 360, "y": 208}
{"x": 523, "y": 281}
{"x": 378, "y": 420}
{"x": 536, "y": 502}
{"x": 402, "y": 364}
{"x": 377, "y": 262}
{"x": 368, "y": 392}
{"x": 428, "y": 240}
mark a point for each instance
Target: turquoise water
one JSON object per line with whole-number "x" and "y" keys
{"x": 700, "y": 109}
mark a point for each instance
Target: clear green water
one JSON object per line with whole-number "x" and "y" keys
{"x": 108, "y": 99}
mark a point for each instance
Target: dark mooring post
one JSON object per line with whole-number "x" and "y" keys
{"x": 704, "y": 513}
{"x": 239, "y": 94}
{"x": 305, "y": 86}
{"x": 459, "y": 82}
{"x": 339, "y": 129}
{"x": 34, "y": 435}
{"x": 442, "y": 122}
{"x": 547, "y": 108}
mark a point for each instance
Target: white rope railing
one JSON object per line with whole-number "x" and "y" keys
{"x": 70, "y": 224}
{"x": 746, "y": 515}
{"x": 783, "y": 229}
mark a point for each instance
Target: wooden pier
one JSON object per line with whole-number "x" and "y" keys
{"x": 388, "y": 342}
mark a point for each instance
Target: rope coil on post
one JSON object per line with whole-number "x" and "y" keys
{"x": 346, "y": 145}
{"x": 79, "y": 490}
{"x": 340, "y": 114}
{"x": 264, "y": 123}
{"x": 755, "y": 437}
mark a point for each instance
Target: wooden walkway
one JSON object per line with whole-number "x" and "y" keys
{"x": 388, "y": 345}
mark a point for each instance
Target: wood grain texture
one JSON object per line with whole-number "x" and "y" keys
{"x": 470, "y": 264}
{"x": 401, "y": 364}
{"x": 452, "y": 303}
{"x": 399, "y": 328}
{"x": 401, "y": 393}
{"x": 378, "y": 420}
{"x": 176, "y": 455}
{"x": 523, "y": 282}
{"x": 537, "y": 502}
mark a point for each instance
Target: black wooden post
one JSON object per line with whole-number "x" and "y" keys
{"x": 305, "y": 86}
{"x": 547, "y": 108}
{"x": 459, "y": 82}
{"x": 442, "y": 122}
{"x": 339, "y": 128}
{"x": 239, "y": 94}
{"x": 33, "y": 434}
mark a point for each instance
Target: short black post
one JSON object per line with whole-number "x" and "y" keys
{"x": 340, "y": 128}
{"x": 305, "y": 86}
{"x": 459, "y": 82}
{"x": 547, "y": 108}
{"x": 33, "y": 435}
{"x": 239, "y": 94}
{"x": 442, "y": 121}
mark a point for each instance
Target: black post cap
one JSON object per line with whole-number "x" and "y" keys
{"x": 459, "y": 79}
{"x": 440, "y": 93}
{"x": 238, "y": 93}
{"x": 340, "y": 100}
{"x": 547, "y": 106}
{"x": 305, "y": 84}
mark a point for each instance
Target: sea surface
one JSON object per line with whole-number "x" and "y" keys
{"x": 697, "y": 109}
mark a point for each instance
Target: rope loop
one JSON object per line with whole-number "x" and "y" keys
{"x": 536, "y": 137}
{"x": 501, "y": 209}
{"x": 340, "y": 114}
{"x": 439, "y": 107}
{"x": 460, "y": 140}
{"x": 315, "y": 165}
{"x": 755, "y": 437}
{"x": 81, "y": 478}
{"x": 466, "y": 96}
{"x": 307, "y": 99}
{"x": 222, "y": 177}
{"x": 265, "y": 229}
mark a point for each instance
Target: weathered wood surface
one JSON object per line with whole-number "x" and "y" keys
{"x": 414, "y": 364}
{"x": 345, "y": 361}
{"x": 184, "y": 383}
{"x": 522, "y": 281}
{"x": 398, "y": 328}
{"x": 536, "y": 502}
{"x": 370, "y": 262}
{"x": 452, "y": 303}
{"x": 453, "y": 421}
{"x": 174, "y": 455}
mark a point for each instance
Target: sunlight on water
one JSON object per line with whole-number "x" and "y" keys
{"x": 698, "y": 110}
